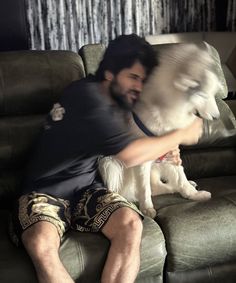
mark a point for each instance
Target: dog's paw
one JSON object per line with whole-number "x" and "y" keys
{"x": 201, "y": 196}
{"x": 151, "y": 212}
{"x": 194, "y": 184}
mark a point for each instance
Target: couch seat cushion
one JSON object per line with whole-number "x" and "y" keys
{"x": 199, "y": 234}
{"x": 84, "y": 254}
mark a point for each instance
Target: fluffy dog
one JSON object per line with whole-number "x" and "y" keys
{"x": 181, "y": 86}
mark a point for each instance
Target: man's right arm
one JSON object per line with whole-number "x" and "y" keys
{"x": 151, "y": 148}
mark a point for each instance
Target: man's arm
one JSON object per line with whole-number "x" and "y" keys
{"x": 151, "y": 148}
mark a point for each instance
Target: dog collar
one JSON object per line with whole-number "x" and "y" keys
{"x": 141, "y": 126}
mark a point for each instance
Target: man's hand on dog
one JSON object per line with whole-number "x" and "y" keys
{"x": 192, "y": 133}
{"x": 172, "y": 157}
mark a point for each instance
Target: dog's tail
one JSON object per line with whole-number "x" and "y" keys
{"x": 111, "y": 170}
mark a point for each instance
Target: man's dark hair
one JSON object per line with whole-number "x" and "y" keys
{"x": 123, "y": 52}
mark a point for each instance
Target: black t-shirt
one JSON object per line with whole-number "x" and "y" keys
{"x": 81, "y": 127}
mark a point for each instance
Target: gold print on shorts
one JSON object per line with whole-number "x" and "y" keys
{"x": 81, "y": 207}
{"x": 36, "y": 207}
{"x": 23, "y": 212}
{"x": 108, "y": 199}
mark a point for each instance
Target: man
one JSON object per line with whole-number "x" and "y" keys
{"x": 63, "y": 189}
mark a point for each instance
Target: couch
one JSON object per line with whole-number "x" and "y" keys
{"x": 187, "y": 242}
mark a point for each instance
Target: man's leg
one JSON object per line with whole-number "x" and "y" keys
{"x": 124, "y": 230}
{"x": 42, "y": 243}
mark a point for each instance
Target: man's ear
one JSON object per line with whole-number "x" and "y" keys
{"x": 109, "y": 76}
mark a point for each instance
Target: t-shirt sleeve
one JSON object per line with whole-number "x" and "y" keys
{"x": 109, "y": 135}
{"x": 98, "y": 127}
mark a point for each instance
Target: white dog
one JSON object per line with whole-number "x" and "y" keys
{"x": 181, "y": 86}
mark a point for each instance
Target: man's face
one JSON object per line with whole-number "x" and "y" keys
{"x": 126, "y": 86}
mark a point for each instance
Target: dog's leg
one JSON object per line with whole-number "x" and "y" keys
{"x": 144, "y": 189}
{"x": 112, "y": 172}
{"x": 193, "y": 183}
{"x": 187, "y": 190}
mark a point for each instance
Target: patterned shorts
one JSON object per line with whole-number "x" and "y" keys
{"x": 88, "y": 213}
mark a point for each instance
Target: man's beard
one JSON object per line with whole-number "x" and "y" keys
{"x": 120, "y": 97}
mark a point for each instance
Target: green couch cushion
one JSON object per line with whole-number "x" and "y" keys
{"x": 18, "y": 133}
{"x": 198, "y": 234}
{"x": 30, "y": 81}
{"x": 217, "y": 146}
{"x": 92, "y": 55}
{"x": 78, "y": 249}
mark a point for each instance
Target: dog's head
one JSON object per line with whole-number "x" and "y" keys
{"x": 197, "y": 80}
{"x": 185, "y": 75}
{"x": 202, "y": 97}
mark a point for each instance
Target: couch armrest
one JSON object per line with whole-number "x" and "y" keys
{"x": 215, "y": 153}
{"x": 231, "y": 62}
{"x": 220, "y": 132}
{"x": 219, "y": 71}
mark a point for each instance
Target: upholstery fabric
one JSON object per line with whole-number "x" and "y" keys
{"x": 231, "y": 62}
{"x": 217, "y": 274}
{"x": 30, "y": 81}
{"x": 92, "y": 55}
{"x": 220, "y": 135}
{"x": 18, "y": 134}
{"x": 199, "y": 233}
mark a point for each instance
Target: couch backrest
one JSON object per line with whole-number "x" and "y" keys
{"x": 30, "y": 82}
{"x": 92, "y": 55}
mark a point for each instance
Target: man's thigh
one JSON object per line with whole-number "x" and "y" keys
{"x": 95, "y": 206}
{"x": 34, "y": 208}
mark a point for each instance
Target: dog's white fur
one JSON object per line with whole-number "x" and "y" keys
{"x": 182, "y": 85}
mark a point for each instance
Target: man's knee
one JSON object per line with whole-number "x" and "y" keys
{"x": 124, "y": 222}
{"x": 41, "y": 238}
